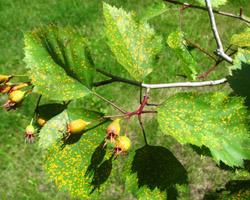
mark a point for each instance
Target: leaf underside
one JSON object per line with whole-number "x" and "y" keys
{"x": 152, "y": 172}
{"x": 80, "y": 165}
{"x": 239, "y": 80}
{"x": 59, "y": 62}
{"x": 176, "y": 41}
{"x": 213, "y": 120}
{"x": 133, "y": 42}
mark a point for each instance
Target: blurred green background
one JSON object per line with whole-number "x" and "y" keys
{"x": 21, "y": 164}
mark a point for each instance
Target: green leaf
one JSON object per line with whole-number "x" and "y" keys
{"x": 133, "y": 42}
{"x": 59, "y": 62}
{"x": 55, "y": 128}
{"x": 242, "y": 39}
{"x": 154, "y": 11}
{"x": 214, "y": 120}
{"x": 176, "y": 41}
{"x": 214, "y": 3}
{"x": 152, "y": 172}
{"x": 80, "y": 164}
{"x": 239, "y": 80}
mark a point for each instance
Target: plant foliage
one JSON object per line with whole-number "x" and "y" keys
{"x": 214, "y": 124}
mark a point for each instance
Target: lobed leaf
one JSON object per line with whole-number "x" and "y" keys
{"x": 133, "y": 42}
{"x": 152, "y": 172}
{"x": 59, "y": 62}
{"x": 242, "y": 39}
{"x": 214, "y": 3}
{"x": 176, "y": 41}
{"x": 239, "y": 80}
{"x": 214, "y": 120}
{"x": 80, "y": 164}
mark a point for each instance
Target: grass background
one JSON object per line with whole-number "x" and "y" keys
{"x": 21, "y": 164}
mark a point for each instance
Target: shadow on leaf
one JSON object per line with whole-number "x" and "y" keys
{"x": 101, "y": 174}
{"x": 201, "y": 150}
{"x": 96, "y": 158}
{"x": 157, "y": 167}
{"x": 74, "y": 138}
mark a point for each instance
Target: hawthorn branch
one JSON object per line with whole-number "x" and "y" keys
{"x": 215, "y": 11}
{"x": 114, "y": 78}
{"x": 185, "y": 84}
{"x": 219, "y": 51}
{"x": 165, "y": 85}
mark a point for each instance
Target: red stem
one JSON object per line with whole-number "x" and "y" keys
{"x": 110, "y": 103}
{"x": 201, "y": 49}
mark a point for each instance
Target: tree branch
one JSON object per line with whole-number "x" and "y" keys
{"x": 185, "y": 84}
{"x": 117, "y": 78}
{"x": 166, "y": 85}
{"x": 220, "y": 51}
{"x": 215, "y": 11}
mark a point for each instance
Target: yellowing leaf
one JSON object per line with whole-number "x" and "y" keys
{"x": 133, "y": 42}
{"x": 242, "y": 39}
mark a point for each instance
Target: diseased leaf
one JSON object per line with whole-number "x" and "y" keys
{"x": 80, "y": 164}
{"x": 55, "y": 128}
{"x": 133, "y": 42}
{"x": 239, "y": 80}
{"x": 214, "y": 3}
{"x": 214, "y": 120}
{"x": 176, "y": 41}
{"x": 59, "y": 62}
{"x": 154, "y": 11}
{"x": 152, "y": 172}
{"x": 242, "y": 39}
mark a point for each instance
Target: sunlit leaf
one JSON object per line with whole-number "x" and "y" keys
{"x": 154, "y": 11}
{"x": 59, "y": 62}
{"x": 55, "y": 128}
{"x": 215, "y": 3}
{"x": 152, "y": 172}
{"x": 133, "y": 42}
{"x": 81, "y": 165}
{"x": 214, "y": 120}
{"x": 176, "y": 41}
{"x": 242, "y": 39}
{"x": 239, "y": 80}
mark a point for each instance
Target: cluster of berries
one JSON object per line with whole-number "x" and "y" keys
{"x": 121, "y": 143}
{"x": 16, "y": 96}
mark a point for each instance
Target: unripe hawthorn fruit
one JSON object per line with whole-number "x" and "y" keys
{"x": 77, "y": 126}
{"x": 4, "y": 88}
{"x": 40, "y": 120}
{"x": 16, "y": 96}
{"x": 123, "y": 143}
{"x": 4, "y": 78}
{"x": 29, "y": 131}
{"x": 113, "y": 130}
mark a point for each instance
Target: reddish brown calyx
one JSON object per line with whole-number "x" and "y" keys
{"x": 122, "y": 144}
{"x": 113, "y": 131}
